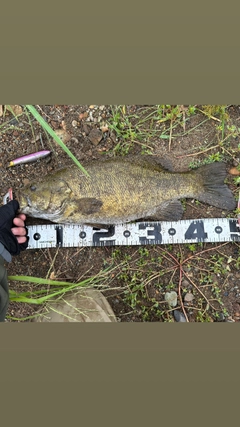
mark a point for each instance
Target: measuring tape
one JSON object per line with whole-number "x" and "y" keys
{"x": 139, "y": 233}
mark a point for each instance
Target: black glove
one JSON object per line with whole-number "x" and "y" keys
{"x": 7, "y": 213}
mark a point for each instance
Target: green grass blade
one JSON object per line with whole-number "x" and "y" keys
{"x": 41, "y": 281}
{"x": 40, "y": 300}
{"x": 38, "y": 280}
{"x": 34, "y": 296}
{"x": 46, "y": 126}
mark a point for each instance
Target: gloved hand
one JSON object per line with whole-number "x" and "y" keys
{"x": 7, "y": 213}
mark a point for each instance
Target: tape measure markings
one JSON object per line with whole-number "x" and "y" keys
{"x": 139, "y": 233}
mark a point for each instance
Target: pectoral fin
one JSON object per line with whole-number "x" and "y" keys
{"x": 89, "y": 205}
{"x": 84, "y": 206}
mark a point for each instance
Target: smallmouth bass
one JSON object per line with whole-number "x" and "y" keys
{"x": 121, "y": 190}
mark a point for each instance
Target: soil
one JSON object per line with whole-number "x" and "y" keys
{"x": 142, "y": 276}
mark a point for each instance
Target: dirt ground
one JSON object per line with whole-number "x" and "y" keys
{"x": 204, "y": 276}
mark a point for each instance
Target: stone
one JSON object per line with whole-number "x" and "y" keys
{"x": 81, "y": 305}
{"x": 188, "y": 297}
{"x": 104, "y": 128}
{"x": 63, "y": 135}
{"x": 86, "y": 129}
{"x": 171, "y": 298}
{"x": 179, "y": 316}
{"x": 95, "y": 136}
{"x": 185, "y": 283}
{"x": 83, "y": 116}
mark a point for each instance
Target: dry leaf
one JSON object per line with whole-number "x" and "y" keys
{"x": 234, "y": 171}
{"x": 15, "y": 109}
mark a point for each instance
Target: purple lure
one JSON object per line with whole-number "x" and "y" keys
{"x": 30, "y": 158}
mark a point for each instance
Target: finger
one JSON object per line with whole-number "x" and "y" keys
{"x": 19, "y": 222}
{"x": 21, "y": 239}
{"x": 22, "y": 216}
{"x": 19, "y": 231}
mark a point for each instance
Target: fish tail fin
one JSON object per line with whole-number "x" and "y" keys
{"x": 215, "y": 191}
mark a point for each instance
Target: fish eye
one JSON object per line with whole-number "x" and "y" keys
{"x": 33, "y": 188}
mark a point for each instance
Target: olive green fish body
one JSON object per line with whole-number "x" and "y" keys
{"x": 121, "y": 190}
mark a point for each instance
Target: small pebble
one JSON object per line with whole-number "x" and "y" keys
{"x": 171, "y": 298}
{"x": 185, "y": 283}
{"x": 230, "y": 320}
{"x": 188, "y": 297}
{"x": 74, "y": 123}
{"x": 54, "y": 124}
{"x": 83, "y": 115}
{"x": 178, "y": 316}
{"x": 75, "y": 140}
{"x": 14, "y": 122}
{"x": 104, "y": 129}
{"x": 86, "y": 128}
{"x": 221, "y": 317}
{"x": 95, "y": 136}
{"x": 63, "y": 135}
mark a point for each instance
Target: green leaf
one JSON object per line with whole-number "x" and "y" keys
{"x": 51, "y": 132}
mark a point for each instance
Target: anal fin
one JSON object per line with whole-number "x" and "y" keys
{"x": 169, "y": 211}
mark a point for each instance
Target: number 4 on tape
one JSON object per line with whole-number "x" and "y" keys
{"x": 196, "y": 231}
